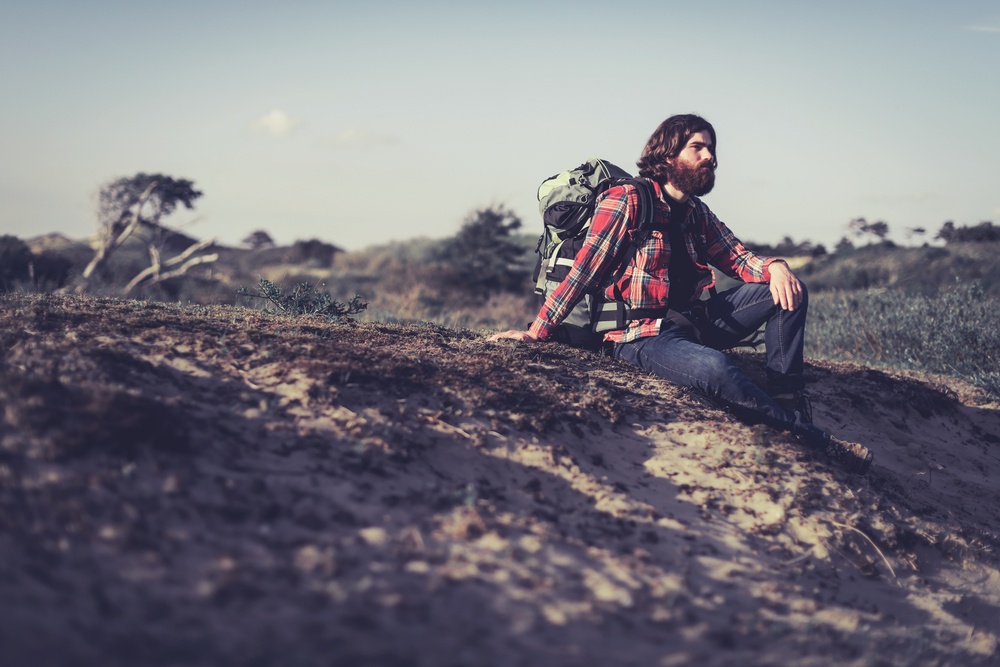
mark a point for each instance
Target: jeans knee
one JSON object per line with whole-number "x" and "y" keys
{"x": 717, "y": 371}
{"x": 758, "y": 290}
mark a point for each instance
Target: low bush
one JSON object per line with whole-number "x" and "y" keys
{"x": 303, "y": 299}
{"x": 955, "y": 331}
{"x": 15, "y": 260}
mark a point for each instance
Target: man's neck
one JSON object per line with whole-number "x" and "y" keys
{"x": 674, "y": 192}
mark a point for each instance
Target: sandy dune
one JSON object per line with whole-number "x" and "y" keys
{"x": 215, "y": 486}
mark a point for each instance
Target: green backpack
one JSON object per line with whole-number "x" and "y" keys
{"x": 567, "y": 202}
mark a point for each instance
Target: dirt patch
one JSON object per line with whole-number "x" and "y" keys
{"x": 207, "y": 486}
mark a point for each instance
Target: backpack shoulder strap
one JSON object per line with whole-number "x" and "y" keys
{"x": 646, "y": 201}
{"x": 644, "y": 191}
{"x": 646, "y": 214}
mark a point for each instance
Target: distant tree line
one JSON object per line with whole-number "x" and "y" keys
{"x": 788, "y": 247}
{"x": 984, "y": 232}
{"x": 488, "y": 254}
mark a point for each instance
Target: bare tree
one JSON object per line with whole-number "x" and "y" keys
{"x": 125, "y": 205}
{"x": 112, "y": 234}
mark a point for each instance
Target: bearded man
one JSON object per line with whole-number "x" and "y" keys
{"x": 676, "y": 334}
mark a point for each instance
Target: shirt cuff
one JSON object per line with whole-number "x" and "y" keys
{"x": 767, "y": 267}
{"x": 540, "y": 329}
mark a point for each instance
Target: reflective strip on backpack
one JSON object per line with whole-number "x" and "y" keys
{"x": 554, "y": 260}
{"x": 608, "y": 316}
{"x": 562, "y": 261}
{"x": 614, "y": 315}
{"x": 549, "y": 264}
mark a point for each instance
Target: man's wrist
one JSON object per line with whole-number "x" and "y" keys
{"x": 539, "y": 329}
{"x": 771, "y": 262}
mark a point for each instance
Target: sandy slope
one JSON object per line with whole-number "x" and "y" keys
{"x": 217, "y": 486}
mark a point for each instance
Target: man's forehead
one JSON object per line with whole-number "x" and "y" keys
{"x": 702, "y": 137}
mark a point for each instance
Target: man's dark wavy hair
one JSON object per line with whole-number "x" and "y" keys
{"x": 668, "y": 140}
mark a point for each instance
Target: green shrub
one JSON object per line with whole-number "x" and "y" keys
{"x": 304, "y": 299}
{"x": 15, "y": 260}
{"x": 956, "y": 331}
{"x": 52, "y": 270}
{"x": 485, "y": 256}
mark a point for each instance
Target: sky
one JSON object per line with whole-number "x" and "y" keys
{"x": 363, "y": 123}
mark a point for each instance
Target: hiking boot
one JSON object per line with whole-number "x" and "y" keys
{"x": 854, "y": 457}
{"x": 796, "y": 403}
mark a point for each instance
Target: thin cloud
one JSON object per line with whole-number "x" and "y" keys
{"x": 360, "y": 137}
{"x": 992, "y": 26}
{"x": 277, "y": 123}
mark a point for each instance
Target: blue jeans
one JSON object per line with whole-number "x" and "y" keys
{"x": 693, "y": 358}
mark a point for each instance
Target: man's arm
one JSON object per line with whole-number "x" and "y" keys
{"x": 732, "y": 256}
{"x": 608, "y": 234}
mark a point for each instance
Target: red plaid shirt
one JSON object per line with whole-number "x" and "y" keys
{"x": 644, "y": 283}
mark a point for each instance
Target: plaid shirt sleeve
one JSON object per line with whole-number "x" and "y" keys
{"x": 610, "y": 232}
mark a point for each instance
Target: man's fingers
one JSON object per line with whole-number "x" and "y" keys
{"x": 778, "y": 295}
{"x": 513, "y": 334}
{"x": 788, "y": 294}
{"x": 796, "y": 288}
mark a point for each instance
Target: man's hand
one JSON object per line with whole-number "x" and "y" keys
{"x": 786, "y": 290}
{"x": 514, "y": 334}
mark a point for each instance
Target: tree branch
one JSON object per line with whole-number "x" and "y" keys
{"x": 154, "y": 269}
{"x": 180, "y": 271}
{"x": 109, "y": 244}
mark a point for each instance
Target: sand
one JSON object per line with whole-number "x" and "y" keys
{"x": 199, "y": 486}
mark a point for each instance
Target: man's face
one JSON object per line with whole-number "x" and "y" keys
{"x": 691, "y": 171}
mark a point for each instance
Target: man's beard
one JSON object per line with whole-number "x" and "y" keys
{"x": 691, "y": 179}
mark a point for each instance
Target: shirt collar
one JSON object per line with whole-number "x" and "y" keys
{"x": 683, "y": 209}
